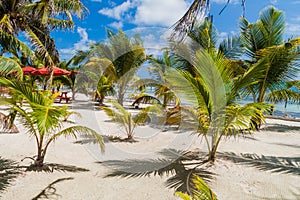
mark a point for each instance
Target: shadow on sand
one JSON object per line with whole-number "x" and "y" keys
{"x": 89, "y": 139}
{"x": 50, "y": 191}
{"x": 287, "y": 165}
{"x": 51, "y": 167}
{"x": 281, "y": 128}
{"x": 180, "y": 166}
{"x": 8, "y": 172}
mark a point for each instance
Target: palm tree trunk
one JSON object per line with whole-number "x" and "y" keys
{"x": 39, "y": 161}
{"x": 121, "y": 94}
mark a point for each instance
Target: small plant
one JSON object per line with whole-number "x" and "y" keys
{"x": 121, "y": 116}
{"x": 42, "y": 119}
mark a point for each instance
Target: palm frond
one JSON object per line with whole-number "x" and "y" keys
{"x": 200, "y": 191}
{"x": 184, "y": 25}
{"x": 9, "y": 67}
{"x": 12, "y": 44}
{"x": 40, "y": 47}
{"x": 81, "y": 130}
{"x": 60, "y": 24}
{"x": 146, "y": 99}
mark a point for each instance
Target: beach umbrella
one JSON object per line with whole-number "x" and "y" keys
{"x": 28, "y": 70}
{"x": 45, "y": 71}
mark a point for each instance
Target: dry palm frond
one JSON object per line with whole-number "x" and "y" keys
{"x": 187, "y": 22}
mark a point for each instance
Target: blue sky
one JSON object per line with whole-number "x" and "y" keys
{"x": 153, "y": 18}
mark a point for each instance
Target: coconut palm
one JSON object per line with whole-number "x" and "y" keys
{"x": 213, "y": 93}
{"x": 122, "y": 57}
{"x": 37, "y": 19}
{"x": 41, "y": 118}
{"x": 264, "y": 44}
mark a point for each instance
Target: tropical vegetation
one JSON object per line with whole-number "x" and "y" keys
{"x": 42, "y": 119}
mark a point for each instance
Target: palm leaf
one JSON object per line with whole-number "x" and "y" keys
{"x": 10, "y": 66}
{"x": 73, "y": 131}
{"x": 40, "y": 47}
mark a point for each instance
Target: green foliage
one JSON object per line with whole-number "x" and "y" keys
{"x": 123, "y": 117}
{"x": 119, "y": 59}
{"x": 41, "y": 118}
{"x": 200, "y": 191}
{"x": 213, "y": 93}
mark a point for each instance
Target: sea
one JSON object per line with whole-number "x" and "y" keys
{"x": 280, "y": 109}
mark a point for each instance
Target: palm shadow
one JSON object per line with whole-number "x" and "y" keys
{"x": 288, "y": 145}
{"x": 179, "y": 166}
{"x": 50, "y": 191}
{"x": 89, "y": 139}
{"x": 281, "y": 128}
{"x": 8, "y": 172}
{"x": 51, "y": 167}
{"x": 287, "y": 165}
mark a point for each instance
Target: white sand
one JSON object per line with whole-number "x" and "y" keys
{"x": 233, "y": 181}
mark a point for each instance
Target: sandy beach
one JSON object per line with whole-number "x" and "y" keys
{"x": 263, "y": 166}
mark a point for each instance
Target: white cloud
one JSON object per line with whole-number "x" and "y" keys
{"x": 293, "y": 29}
{"x": 296, "y": 19}
{"x": 117, "y": 12}
{"x": 148, "y": 12}
{"x": 158, "y": 12}
{"x": 295, "y": 2}
{"x": 116, "y": 25}
{"x": 154, "y": 38}
{"x": 82, "y": 44}
{"x": 273, "y": 1}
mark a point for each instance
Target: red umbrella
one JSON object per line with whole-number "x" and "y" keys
{"x": 28, "y": 70}
{"x": 45, "y": 71}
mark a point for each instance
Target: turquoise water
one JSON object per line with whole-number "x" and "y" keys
{"x": 291, "y": 109}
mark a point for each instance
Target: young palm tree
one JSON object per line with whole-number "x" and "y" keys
{"x": 42, "y": 119}
{"x": 104, "y": 88}
{"x": 158, "y": 70}
{"x": 121, "y": 116}
{"x": 213, "y": 93}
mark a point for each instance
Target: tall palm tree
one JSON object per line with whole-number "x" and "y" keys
{"x": 37, "y": 19}
{"x": 41, "y": 118}
{"x": 123, "y": 57}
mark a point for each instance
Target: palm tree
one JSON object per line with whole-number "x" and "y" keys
{"x": 37, "y": 19}
{"x": 264, "y": 44}
{"x": 104, "y": 88}
{"x": 213, "y": 93}
{"x": 122, "y": 57}
{"x": 121, "y": 116}
{"x": 41, "y": 118}
{"x": 158, "y": 70}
